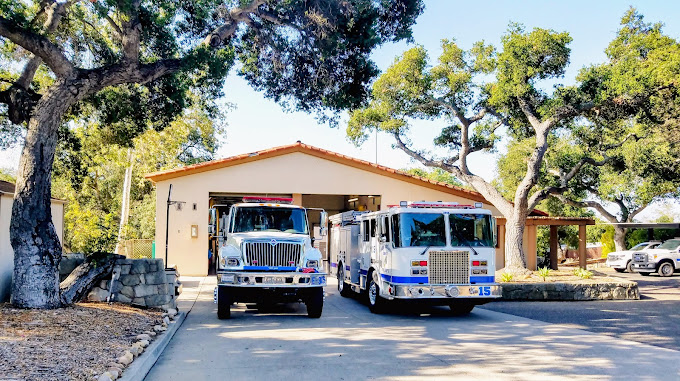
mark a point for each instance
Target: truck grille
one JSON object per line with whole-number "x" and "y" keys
{"x": 449, "y": 267}
{"x": 639, "y": 257}
{"x": 278, "y": 254}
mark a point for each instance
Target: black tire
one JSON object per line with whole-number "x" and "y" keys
{"x": 343, "y": 288}
{"x": 629, "y": 267}
{"x": 666, "y": 269}
{"x": 461, "y": 308}
{"x": 619, "y": 270}
{"x": 315, "y": 303}
{"x": 376, "y": 303}
{"x": 644, "y": 274}
{"x": 223, "y": 303}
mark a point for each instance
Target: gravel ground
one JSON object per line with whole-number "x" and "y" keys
{"x": 73, "y": 343}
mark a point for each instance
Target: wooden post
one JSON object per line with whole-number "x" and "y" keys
{"x": 531, "y": 247}
{"x": 553, "y": 247}
{"x": 582, "y": 260}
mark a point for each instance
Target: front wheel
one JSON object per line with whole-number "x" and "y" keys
{"x": 629, "y": 267}
{"x": 223, "y": 303}
{"x": 666, "y": 269}
{"x": 376, "y": 303}
{"x": 315, "y": 303}
{"x": 461, "y": 309}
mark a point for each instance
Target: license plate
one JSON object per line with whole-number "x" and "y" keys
{"x": 227, "y": 278}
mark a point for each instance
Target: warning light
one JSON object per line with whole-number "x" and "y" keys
{"x": 423, "y": 263}
{"x": 475, "y": 263}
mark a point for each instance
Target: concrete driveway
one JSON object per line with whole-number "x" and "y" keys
{"x": 654, "y": 319}
{"x": 350, "y": 343}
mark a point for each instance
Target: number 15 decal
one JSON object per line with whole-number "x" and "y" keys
{"x": 485, "y": 291}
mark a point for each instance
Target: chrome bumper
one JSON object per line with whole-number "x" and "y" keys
{"x": 426, "y": 291}
{"x": 644, "y": 266}
{"x": 271, "y": 279}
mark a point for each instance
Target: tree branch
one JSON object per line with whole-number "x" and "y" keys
{"x": 225, "y": 31}
{"x": 40, "y": 46}
{"x": 589, "y": 204}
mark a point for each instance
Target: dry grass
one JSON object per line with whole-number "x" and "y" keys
{"x": 562, "y": 276}
{"x": 73, "y": 343}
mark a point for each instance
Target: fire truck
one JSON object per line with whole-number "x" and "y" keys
{"x": 267, "y": 255}
{"x": 440, "y": 253}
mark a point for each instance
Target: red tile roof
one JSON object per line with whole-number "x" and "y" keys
{"x": 321, "y": 153}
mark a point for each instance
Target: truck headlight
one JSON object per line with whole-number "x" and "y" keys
{"x": 312, "y": 263}
{"x": 223, "y": 262}
{"x": 232, "y": 261}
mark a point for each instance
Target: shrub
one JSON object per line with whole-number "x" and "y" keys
{"x": 544, "y": 272}
{"x": 506, "y": 277}
{"x": 583, "y": 273}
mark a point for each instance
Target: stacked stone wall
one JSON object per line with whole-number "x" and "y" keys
{"x": 140, "y": 282}
{"x": 571, "y": 291}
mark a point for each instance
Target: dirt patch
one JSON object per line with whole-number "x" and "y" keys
{"x": 73, "y": 343}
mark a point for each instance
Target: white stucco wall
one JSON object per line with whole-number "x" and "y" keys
{"x": 294, "y": 173}
{"x": 6, "y": 252}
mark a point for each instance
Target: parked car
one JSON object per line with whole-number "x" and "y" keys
{"x": 623, "y": 260}
{"x": 665, "y": 259}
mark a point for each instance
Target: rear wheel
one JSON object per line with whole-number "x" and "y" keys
{"x": 343, "y": 288}
{"x": 376, "y": 303}
{"x": 223, "y": 303}
{"x": 666, "y": 269}
{"x": 461, "y": 309}
{"x": 315, "y": 303}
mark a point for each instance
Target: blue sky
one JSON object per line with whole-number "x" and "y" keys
{"x": 257, "y": 123}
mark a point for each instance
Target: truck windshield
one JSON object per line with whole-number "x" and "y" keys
{"x": 471, "y": 230}
{"x": 264, "y": 218}
{"x": 414, "y": 229}
{"x": 670, "y": 244}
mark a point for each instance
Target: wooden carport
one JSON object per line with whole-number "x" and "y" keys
{"x": 531, "y": 236}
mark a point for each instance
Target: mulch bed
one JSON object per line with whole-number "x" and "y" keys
{"x": 561, "y": 276}
{"x": 73, "y": 343}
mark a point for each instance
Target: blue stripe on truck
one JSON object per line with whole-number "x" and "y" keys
{"x": 481, "y": 279}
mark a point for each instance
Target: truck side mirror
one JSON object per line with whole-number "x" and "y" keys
{"x": 494, "y": 231}
{"x": 213, "y": 221}
{"x": 323, "y": 223}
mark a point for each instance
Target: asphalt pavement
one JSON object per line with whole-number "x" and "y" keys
{"x": 350, "y": 343}
{"x": 654, "y": 319}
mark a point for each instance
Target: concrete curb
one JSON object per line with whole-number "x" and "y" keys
{"x": 139, "y": 368}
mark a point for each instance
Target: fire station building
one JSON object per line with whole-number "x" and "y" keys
{"x": 313, "y": 177}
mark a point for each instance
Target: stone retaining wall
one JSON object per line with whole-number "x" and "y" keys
{"x": 571, "y": 291}
{"x": 141, "y": 282}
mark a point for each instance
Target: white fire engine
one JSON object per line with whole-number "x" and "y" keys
{"x": 266, "y": 255}
{"x": 442, "y": 253}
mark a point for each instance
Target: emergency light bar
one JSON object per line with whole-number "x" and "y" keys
{"x": 437, "y": 204}
{"x": 274, "y": 200}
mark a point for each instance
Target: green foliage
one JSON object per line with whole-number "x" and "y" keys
{"x": 89, "y": 174}
{"x": 607, "y": 241}
{"x": 506, "y": 277}
{"x": 8, "y": 175}
{"x": 435, "y": 174}
{"x": 583, "y": 273}
{"x": 544, "y": 272}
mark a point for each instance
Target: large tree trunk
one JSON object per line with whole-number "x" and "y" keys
{"x": 515, "y": 258}
{"x": 76, "y": 286}
{"x": 620, "y": 238}
{"x": 37, "y": 250}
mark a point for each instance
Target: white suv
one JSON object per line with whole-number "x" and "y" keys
{"x": 623, "y": 260}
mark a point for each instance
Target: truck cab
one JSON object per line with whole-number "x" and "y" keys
{"x": 664, "y": 260}
{"x": 266, "y": 255}
{"x": 435, "y": 252}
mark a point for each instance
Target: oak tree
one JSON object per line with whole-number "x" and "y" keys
{"x": 137, "y": 61}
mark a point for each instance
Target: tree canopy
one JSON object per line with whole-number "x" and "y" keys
{"x": 135, "y": 65}
{"x": 486, "y": 93}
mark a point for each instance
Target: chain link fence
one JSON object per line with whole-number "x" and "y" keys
{"x": 137, "y": 248}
